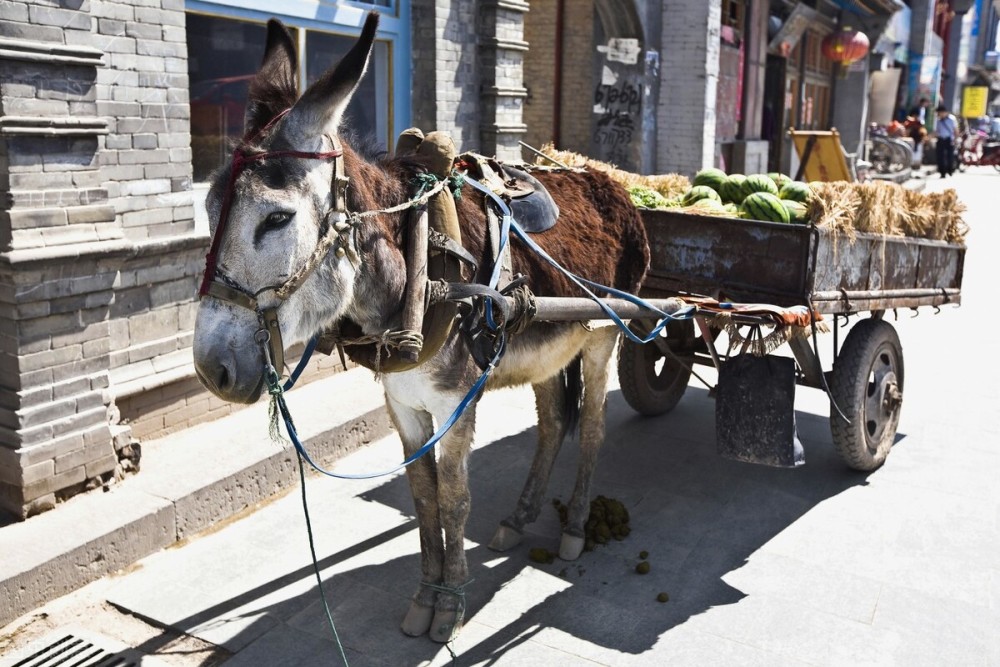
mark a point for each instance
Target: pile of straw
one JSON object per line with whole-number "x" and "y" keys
{"x": 668, "y": 185}
{"x": 887, "y": 208}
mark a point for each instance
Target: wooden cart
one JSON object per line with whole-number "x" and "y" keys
{"x": 749, "y": 261}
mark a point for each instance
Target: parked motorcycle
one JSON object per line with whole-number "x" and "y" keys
{"x": 977, "y": 149}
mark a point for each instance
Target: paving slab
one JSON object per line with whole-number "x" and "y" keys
{"x": 188, "y": 482}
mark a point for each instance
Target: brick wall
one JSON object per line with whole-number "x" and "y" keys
{"x": 99, "y": 261}
{"x": 689, "y": 72}
{"x": 540, "y": 75}
{"x": 577, "y": 79}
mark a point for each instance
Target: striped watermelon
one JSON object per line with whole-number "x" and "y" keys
{"x": 797, "y": 211}
{"x": 760, "y": 183}
{"x": 778, "y": 178}
{"x": 712, "y": 177}
{"x": 765, "y": 206}
{"x": 796, "y": 191}
{"x": 732, "y": 188}
{"x": 700, "y": 192}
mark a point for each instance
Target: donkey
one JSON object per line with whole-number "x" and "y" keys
{"x": 278, "y": 206}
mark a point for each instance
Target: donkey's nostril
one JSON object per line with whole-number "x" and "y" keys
{"x": 222, "y": 380}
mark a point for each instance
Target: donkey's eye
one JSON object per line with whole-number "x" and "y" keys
{"x": 277, "y": 220}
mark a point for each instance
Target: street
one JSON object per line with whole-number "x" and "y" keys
{"x": 817, "y": 565}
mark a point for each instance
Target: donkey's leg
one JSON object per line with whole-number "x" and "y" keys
{"x": 550, "y": 404}
{"x": 415, "y": 428}
{"x": 596, "y": 356}
{"x": 454, "y": 502}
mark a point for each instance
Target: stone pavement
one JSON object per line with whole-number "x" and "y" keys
{"x": 813, "y": 566}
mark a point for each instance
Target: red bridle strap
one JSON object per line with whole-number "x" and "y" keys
{"x": 240, "y": 161}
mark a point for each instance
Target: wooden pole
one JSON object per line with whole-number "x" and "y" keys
{"x": 416, "y": 286}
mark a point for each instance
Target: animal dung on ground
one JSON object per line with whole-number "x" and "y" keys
{"x": 608, "y": 519}
{"x": 643, "y": 567}
{"x": 643, "y": 555}
{"x": 662, "y": 597}
{"x": 541, "y": 555}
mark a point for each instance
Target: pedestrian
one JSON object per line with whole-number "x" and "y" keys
{"x": 995, "y": 127}
{"x": 946, "y": 129}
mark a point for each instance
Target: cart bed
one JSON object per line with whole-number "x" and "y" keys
{"x": 751, "y": 261}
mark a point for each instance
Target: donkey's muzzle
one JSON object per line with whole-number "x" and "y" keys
{"x": 219, "y": 370}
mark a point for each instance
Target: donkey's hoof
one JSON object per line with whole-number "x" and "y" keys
{"x": 505, "y": 538}
{"x": 570, "y": 547}
{"x": 417, "y": 620}
{"x": 446, "y": 625}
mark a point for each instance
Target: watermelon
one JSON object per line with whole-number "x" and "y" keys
{"x": 700, "y": 192}
{"x": 732, "y": 188}
{"x": 797, "y": 211}
{"x": 796, "y": 191}
{"x": 765, "y": 206}
{"x": 712, "y": 177}
{"x": 760, "y": 183}
{"x": 778, "y": 178}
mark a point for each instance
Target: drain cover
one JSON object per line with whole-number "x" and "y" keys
{"x": 73, "y": 647}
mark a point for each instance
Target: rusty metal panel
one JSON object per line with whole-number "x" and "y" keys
{"x": 840, "y": 264}
{"x": 745, "y": 260}
{"x": 940, "y": 266}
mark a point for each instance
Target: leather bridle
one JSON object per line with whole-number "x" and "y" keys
{"x": 219, "y": 286}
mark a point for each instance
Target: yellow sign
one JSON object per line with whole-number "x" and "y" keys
{"x": 974, "y": 99}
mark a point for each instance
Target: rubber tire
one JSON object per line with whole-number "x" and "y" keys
{"x": 871, "y": 347}
{"x": 650, "y": 393}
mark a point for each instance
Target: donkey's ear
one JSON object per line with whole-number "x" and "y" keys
{"x": 322, "y": 105}
{"x": 274, "y": 88}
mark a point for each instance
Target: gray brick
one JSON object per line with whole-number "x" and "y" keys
{"x": 145, "y": 140}
{"x": 62, "y": 18}
{"x": 38, "y": 33}
{"x": 144, "y": 31}
{"x": 14, "y": 11}
{"x": 146, "y": 156}
{"x": 113, "y": 10}
{"x": 142, "y": 218}
{"x": 91, "y": 214}
{"x": 39, "y": 217}
{"x": 174, "y": 34}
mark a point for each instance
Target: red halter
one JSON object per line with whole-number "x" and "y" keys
{"x": 241, "y": 158}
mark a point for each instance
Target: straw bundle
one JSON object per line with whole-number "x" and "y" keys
{"x": 668, "y": 185}
{"x": 888, "y": 209}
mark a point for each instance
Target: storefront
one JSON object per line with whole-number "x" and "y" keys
{"x": 225, "y": 47}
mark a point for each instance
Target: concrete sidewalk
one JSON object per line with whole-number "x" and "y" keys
{"x": 188, "y": 482}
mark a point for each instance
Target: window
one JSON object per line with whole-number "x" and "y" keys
{"x": 368, "y": 113}
{"x": 224, "y": 54}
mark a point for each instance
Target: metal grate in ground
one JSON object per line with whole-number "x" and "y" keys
{"x": 73, "y": 647}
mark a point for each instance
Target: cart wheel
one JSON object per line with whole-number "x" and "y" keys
{"x": 651, "y": 381}
{"x": 867, "y": 385}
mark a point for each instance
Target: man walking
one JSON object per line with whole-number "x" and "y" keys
{"x": 946, "y": 130}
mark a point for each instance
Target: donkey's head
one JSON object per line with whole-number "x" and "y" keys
{"x": 269, "y": 210}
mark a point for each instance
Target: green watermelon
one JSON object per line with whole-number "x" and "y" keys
{"x": 760, "y": 183}
{"x": 732, "y": 188}
{"x": 797, "y": 211}
{"x": 700, "y": 192}
{"x": 712, "y": 177}
{"x": 778, "y": 178}
{"x": 765, "y": 206}
{"x": 796, "y": 191}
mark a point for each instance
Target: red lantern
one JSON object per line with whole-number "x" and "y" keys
{"x": 845, "y": 46}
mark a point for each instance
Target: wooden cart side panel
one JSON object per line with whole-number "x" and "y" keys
{"x": 728, "y": 258}
{"x": 754, "y": 261}
{"x": 940, "y": 266}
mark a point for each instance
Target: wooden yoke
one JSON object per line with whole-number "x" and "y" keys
{"x": 441, "y": 216}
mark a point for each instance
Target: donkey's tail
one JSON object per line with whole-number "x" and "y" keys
{"x": 572, "y": 376}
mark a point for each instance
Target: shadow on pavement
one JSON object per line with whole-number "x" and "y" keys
{"x": 698, "y": 516}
